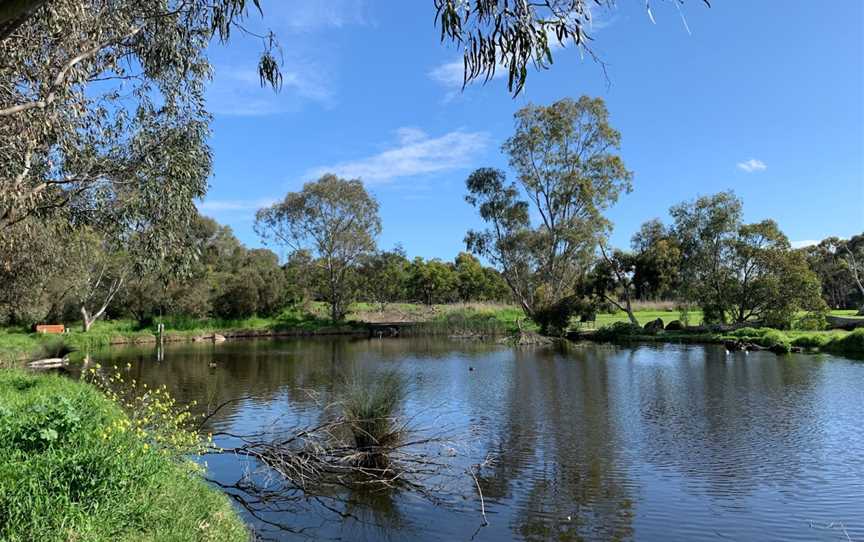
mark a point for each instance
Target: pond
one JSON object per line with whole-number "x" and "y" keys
{"x": 591, "y": 442}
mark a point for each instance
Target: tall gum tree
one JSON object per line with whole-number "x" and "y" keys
{"x": 334, "y": 219}
{"x": 568, "y": 173}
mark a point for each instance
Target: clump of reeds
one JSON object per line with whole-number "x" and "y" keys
{"x": 370, "y": 409}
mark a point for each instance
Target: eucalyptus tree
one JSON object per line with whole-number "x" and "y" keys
{"x": 827, "y": 260}
{"x": 384, "y": 275}
{"x": 740, "y": 272}
{"x": 432, "y": 281}
{"x": 612, "y": 280}
{"x": 705, "y": 229}
{"x": 336, "y": 220}
{"x": 568, "y": 174}
{"x": 853, "y": 254}
{"x": 771, "y": 282}
{"x": 657, "y": 272}
{"x": 102, "y": 110}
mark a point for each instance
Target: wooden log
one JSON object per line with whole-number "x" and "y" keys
{"x": 50, "y": 328}
{"x": 49, "y": 363}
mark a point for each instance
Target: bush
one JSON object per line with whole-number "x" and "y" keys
{"x": 748, "y": 333}
{"x": 812, "y": 321}
{"x": 554, "y": 320}
{"x": 851, "y": 343}
{"x": 775, "y": 340}
{"x": 617, "y": 331}
{"x": 814, "y": 340}
{"x": 73, "y": 466}
{"x": 772, "y": 339}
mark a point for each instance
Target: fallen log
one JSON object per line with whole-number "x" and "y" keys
{"x": 48, "y": 363}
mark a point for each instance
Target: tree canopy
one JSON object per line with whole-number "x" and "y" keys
{"x": 336, "y": 220}
{"x": 568, "y": 174}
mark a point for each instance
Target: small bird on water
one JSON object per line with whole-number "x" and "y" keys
{"x": 470, "y": 368}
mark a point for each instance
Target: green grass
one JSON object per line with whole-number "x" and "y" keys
{"x": 68, "y": 472}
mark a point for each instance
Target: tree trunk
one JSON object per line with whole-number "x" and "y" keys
{"x": 630, "y": 314}
{"x": 86, "y": 319}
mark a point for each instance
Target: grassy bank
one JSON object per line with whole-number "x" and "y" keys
{"x": 843, "y": 342}
{"x": 18, "y": 344}
{"x": 71, "y": 468}
{"x": 470, "y": 319}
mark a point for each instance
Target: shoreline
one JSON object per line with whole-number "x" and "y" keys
{"x": 18, "y": 348}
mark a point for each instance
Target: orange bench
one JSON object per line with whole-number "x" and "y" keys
{"x": 50, "y": 328}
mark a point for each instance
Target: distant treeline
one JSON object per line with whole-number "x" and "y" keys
{"x": 544, "y": 239}
{"x": 225, "y": 280}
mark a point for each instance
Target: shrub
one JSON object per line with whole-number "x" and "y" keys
{"x": 812, "y": 321}
{"x": 617, "y": 331}
{"x": 814, "y": 340}
{"x": 775, "y": 340}
{"x": 555, "y": 319}
{"x": 851, "y": 343}
{"x": 748, "y": 333}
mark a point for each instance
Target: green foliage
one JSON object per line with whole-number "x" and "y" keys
{"x": 74, "y": 466}
{"x": 385, "y": 277}
{"x": 497, "y": 35}
{"x": 333, "y": 218}
{"x": 555, "y": 319}
{"x": 741, "y": 272}
{"x": 657, "y": 266}
{"x": 811, "y": 321}
{"x": 568, "y": 174}
{"x": 617, "y": 331}
{"x": 432, "y": 281}
{"x": 775, "y": 340}
{"x": 831, "y": 262}
{"x": 850, "y": 343}
{"x": 812, "y": 340}
{"x": 105, "y": 106}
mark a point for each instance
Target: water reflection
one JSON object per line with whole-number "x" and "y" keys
{"x": 591, "y": 443}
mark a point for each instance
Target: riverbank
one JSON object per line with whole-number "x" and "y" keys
{"x": 18, "y": 345}
{"x": 747, "y": 338}
{"x": 73, "y": 467}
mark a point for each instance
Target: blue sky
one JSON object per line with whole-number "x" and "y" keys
{"x": 764, "y": 97}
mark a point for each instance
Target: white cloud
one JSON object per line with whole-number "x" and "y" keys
{"x": 414, "y": 154}
{"x": 450, "y": 74}
{"x": 235, "y": 205}
{"x": 314, "y": 14}
{"x": 752, "y": 165}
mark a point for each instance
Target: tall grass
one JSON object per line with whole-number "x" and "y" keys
{"x": 370, "y": 406}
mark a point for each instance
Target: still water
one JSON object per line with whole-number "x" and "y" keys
{"x": 656, "y": 443}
